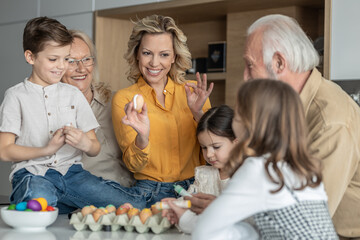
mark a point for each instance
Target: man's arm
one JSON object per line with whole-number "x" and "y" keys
{"x": 337, "y": 149}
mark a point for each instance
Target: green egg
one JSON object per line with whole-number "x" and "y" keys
{"x": 12, "y": 207}
{"x": 28, "y": 210}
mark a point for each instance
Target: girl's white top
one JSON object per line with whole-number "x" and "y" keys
{"x": 248, "y": 193}
{"x": 207, "y": 180}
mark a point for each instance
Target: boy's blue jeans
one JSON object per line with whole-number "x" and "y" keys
{"x": 79, "y": 188}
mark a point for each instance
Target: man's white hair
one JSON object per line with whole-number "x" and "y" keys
{"x": 284, "y": 35}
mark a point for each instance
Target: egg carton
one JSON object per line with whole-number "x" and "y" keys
{"x": 156, "y": 223}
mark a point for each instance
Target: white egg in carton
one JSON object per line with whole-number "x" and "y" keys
{"x": 156, "y": 223}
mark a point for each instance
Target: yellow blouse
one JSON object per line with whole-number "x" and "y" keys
{"x": 173, "y": 151}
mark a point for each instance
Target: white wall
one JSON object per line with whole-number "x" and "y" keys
{"x": 345, "y": 40}
{"x": 14, "y": 14}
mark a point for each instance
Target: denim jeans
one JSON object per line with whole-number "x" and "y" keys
{"x": 155, "y": 191}
{"x": 78, "y": 188}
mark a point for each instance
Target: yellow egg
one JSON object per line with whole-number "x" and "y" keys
{"x": 133, "y": 212}
{"x": 145, "y": 214}
{"x": 43, "y": 202}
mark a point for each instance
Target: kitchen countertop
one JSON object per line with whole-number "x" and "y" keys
{"x": 62, "y": 230}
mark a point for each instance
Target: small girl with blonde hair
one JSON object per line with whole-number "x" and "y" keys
{"x": 274, "y": 178}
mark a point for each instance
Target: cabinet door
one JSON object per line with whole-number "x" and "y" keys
{"x": 111, "y": 40}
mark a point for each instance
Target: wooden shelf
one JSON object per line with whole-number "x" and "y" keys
{"x": 217, "y": 97}
{"x": 218, "y": 76}
{"x": 190, "y": 11}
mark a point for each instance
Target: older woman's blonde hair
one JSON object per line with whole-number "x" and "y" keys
{"x": 156, "y": 24}
{"x": 102, "y": 88}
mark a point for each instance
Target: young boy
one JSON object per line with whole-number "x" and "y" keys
{"x": 45, "y": 125}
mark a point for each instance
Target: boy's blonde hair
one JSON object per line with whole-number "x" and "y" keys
{"x": 273, "y": 120}
{"x": 157, "y": 24}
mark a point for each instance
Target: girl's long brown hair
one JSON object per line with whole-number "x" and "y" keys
{"x": 273, "y": 121}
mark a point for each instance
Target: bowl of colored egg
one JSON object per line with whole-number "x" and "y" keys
{"x": 32, "y": 215}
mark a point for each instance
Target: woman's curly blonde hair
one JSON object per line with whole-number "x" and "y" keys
{"x": 156, "y": 24}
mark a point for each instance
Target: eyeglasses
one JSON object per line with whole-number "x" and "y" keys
{"x": 86, "y": 61}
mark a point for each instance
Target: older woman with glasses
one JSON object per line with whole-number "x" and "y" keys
{"x": 83, "y": 74}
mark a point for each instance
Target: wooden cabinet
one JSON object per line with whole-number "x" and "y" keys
{"x": 202, "y": 21}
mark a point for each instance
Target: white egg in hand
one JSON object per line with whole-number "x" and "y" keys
{"x": 138, "y": 102}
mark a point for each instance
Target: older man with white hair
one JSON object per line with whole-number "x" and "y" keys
{"x": 278, "y": 48}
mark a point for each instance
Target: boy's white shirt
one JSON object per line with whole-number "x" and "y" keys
{"x": 33, "y": 112}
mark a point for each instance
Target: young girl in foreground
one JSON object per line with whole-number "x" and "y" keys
{"x": 273, "y": 176}
{"x": 216, "y": 139}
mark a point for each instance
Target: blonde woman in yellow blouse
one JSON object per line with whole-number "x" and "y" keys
{"x": 159, "y": 143}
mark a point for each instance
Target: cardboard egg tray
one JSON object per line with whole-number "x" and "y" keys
{"x": 156, "y": 223}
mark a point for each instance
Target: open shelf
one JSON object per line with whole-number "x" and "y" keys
{"x": 212, "y": 76}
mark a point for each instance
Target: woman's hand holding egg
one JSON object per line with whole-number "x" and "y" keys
{"x": 138, "y": 119}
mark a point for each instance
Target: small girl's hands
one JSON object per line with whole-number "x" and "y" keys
{"x": 56, "y": 142}
{"x": 178, "y": 212}
{"x": 174, "y": 214}
{"x": 164, "y": 212}
{"x": 171, "y": 216}
{"x": 77, "y": 138}
{"x": 169, "y": 213}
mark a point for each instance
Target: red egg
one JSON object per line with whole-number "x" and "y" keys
{"x": 50, "y": 208}
{"x": 34, "y": 205}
